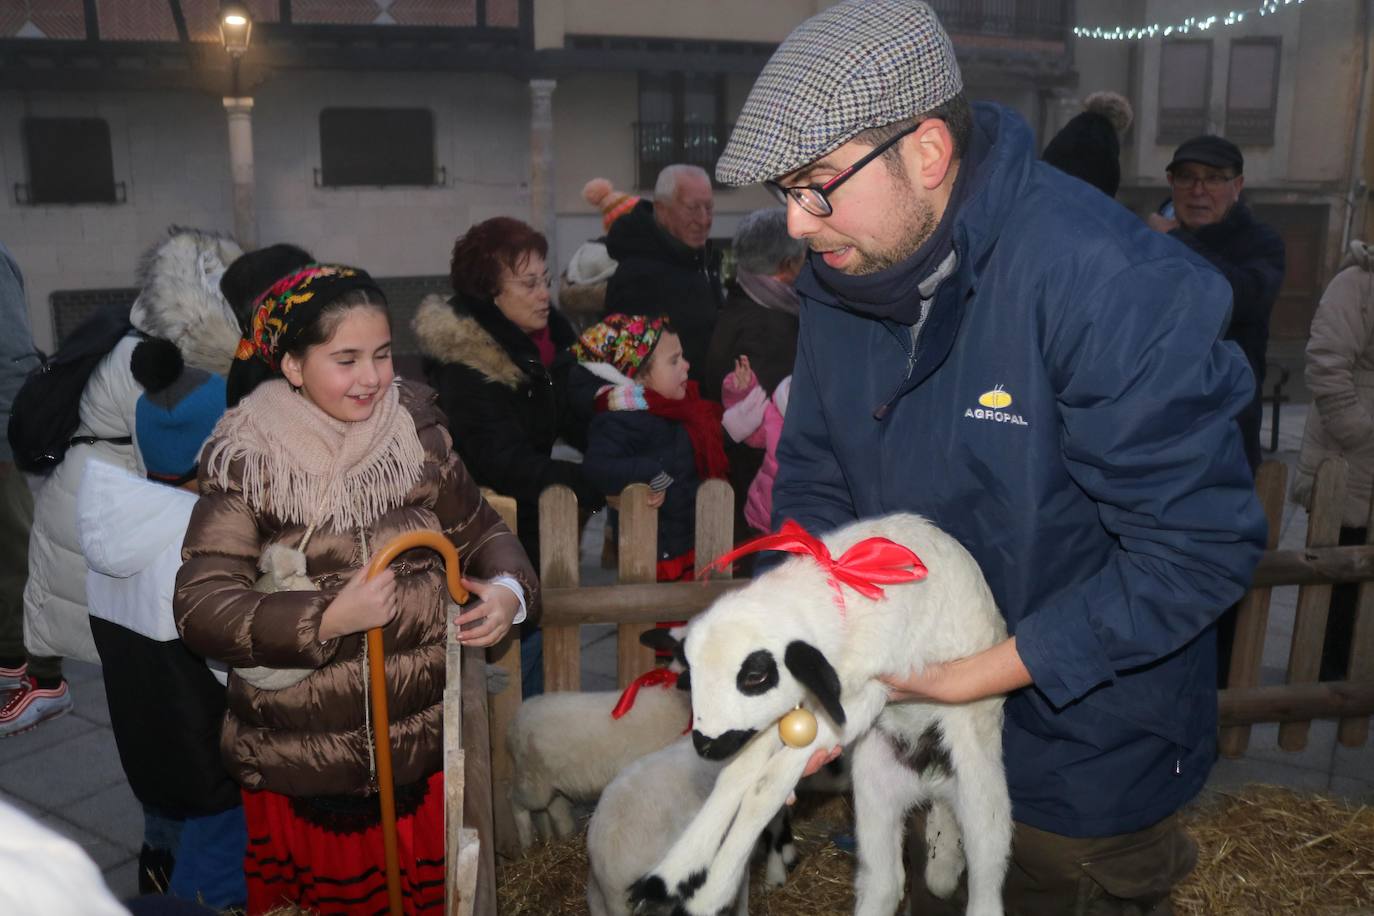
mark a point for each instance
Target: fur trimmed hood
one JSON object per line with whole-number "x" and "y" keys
{"x": 449, "y": 337}
{"x": 180, "y": 301}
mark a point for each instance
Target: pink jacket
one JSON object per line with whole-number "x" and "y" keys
{"x": 753, "y": 418}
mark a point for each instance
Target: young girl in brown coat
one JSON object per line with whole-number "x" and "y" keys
{"x": 332, "y": 456}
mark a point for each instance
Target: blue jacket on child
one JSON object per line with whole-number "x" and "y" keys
{"x": 634, "y": 446}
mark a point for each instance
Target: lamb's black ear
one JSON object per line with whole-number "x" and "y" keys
{"x": 660, "y": 639}
{"x": 684, "y": 681}
{"x": 816, "y": 674}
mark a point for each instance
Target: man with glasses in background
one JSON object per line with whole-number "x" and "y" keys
{"x": 1205, "y": 212}
{"x": 1001, "y": 348}
{"x": 667, "y": 266}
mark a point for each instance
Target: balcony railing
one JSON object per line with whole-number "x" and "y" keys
{"x": 662, "y": 143}
{"x": 1046, "y": 20}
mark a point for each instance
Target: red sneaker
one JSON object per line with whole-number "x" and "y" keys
{"x": 31, "y": 706}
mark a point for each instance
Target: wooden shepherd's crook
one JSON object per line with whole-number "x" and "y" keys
{"x": 376, "y": 664}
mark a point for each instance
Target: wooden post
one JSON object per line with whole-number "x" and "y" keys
{"x": 1354, "y": 732}
{"x": 1252, "y": 618}
{"x": 638, "y": 565}
{"x": 715, "y": 531}
{"x": 1309, "y": 625}
{"x": 559, "y": 556}
{"x": 504, "y": 705}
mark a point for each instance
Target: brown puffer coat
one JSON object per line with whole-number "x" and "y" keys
{"x": 312, "y": 738}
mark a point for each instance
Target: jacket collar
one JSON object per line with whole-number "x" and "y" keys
{"x": 475, "y": 334}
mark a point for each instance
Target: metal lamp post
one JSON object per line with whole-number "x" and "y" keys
{"x": 236, "y": 31}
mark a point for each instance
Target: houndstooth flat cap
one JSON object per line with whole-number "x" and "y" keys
{"x": 859, "y": 64}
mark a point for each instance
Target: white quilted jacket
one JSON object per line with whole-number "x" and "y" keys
{"x": 55, "y": 614}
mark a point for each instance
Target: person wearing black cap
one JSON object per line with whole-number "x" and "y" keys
{"x": 999, "y": 347}
{"x": 1205, "y": 212}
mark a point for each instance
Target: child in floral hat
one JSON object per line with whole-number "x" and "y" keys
{"x": 651, "y": 426}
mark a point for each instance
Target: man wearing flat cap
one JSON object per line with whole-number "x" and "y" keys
{"x": 1205, "y": 212}
{"x": 1004, "y": 350}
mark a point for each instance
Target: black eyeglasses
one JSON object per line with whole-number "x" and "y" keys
{"x": 812, "y": 197}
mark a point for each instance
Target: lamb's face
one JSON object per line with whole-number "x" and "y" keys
{"x": 746, "y": 675}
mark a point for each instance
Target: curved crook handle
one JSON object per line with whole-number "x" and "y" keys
{"x": 422, "y": 538}
{"x": 381, "y": 720}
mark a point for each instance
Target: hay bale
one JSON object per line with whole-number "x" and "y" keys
{"x": 1263, "y": 850}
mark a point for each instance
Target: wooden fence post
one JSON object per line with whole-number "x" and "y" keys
{"x": 1252, "y": 618}
{"x": 1354, "y": 732}
{"x": 638, "y": 551}
{"x": 558, "y": 559}
{"x": 1309, "y": 625}
{"x": 503, "y": 707}
{"x": 715, "y": 531}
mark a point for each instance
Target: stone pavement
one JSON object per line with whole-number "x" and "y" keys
{"x": 66, "y": 773}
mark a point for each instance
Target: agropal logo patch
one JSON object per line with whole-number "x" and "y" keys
{"x": 995, "y": 407}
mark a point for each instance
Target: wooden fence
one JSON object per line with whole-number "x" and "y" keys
{"x": 636, "y": 601}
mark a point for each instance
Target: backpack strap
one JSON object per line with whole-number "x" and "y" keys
{"x": 92, "y": 440}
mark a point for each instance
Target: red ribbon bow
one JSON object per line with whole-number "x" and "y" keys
{"x": 659, "y": 677}
{"x": 865, "y": 567}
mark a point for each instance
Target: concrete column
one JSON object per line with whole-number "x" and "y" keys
{"x": 542, "y": 215}
{"x": 240, "y": 113}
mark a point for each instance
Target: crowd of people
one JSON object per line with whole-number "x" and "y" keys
{"x": 933, "y": 321}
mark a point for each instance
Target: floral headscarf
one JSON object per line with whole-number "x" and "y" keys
{"x": 623, "y": 341}
{"x": 291, "y": 304}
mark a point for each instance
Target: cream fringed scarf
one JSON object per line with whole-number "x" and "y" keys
{"x": 308, "y": 468}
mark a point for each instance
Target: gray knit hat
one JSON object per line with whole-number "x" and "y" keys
{"x": 857, "y": 65}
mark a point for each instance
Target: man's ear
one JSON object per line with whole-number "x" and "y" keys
{"x": 929, "y": 153}
{"x": 291, "y": 368}
{"x": 813, "y": 670}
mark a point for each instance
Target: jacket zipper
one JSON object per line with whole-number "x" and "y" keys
{"x": 915, "y": 333}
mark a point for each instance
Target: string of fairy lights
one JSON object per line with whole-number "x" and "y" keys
{"x": 1185, "y": 26}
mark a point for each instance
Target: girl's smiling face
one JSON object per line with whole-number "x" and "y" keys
{"x": 667, "y": 369}
{"x": 345, "y": 375}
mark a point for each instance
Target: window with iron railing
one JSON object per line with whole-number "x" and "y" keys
{"x": 1252, "y": 91}
{"x": 1185, "y": 89}
{"x": 1040, "y": 19}
{"x": 681, "y": 120}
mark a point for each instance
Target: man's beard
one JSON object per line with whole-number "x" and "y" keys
{"x": 918, "y": 225}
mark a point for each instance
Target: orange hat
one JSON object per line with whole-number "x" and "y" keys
{"x": 613, "y": 204}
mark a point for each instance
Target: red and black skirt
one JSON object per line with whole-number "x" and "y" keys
{"x": 329, "y": 858}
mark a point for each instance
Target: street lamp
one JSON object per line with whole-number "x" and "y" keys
{"x": 235, "y": 31}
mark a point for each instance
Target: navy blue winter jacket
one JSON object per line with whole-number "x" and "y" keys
{"x": 634, "y": 446}
{"x": 1067, "y": 411}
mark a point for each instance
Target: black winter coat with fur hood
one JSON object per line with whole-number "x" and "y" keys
{"x": 504, "y": 408}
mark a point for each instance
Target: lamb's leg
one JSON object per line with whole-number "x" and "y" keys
{"x": 767, "y": 794}
{"x": 561, "y": 814}
{"x": 683, "y": 869}
{"x": 742, "y": 896}
{"x": 780, "y": 853}
{"x": 543, "y": 829}
{"x": 983, "y": 806}
{"x": 885, "y": 790}
{"x": 944, "y": 857}
{"x": 524, "y": 825}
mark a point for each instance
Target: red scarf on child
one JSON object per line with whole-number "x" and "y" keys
{"x": 701, "y": 417}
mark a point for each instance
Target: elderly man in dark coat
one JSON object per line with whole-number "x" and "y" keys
{"x": 667, "y": 264}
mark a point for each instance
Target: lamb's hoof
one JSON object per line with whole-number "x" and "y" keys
{"x": 649, "y": 896}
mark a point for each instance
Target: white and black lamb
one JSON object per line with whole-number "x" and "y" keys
{"x": 646, "y": 806}
{"x": 802, "y": 635}
{"x": 566, "y": 747}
